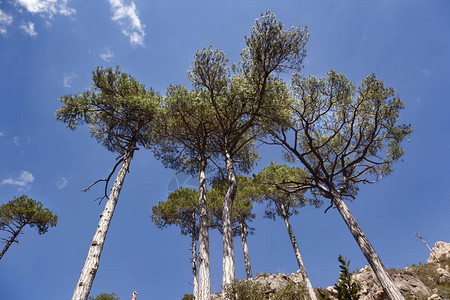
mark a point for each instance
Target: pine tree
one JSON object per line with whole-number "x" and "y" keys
{"x": 120, "y": 113}
{"x": 20, "y": 212}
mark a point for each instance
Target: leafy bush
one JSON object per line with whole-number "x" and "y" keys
{"x": 291, "y": 291}
{"x": 247, "y": 290}
{"x": 104, "y": 296}
{"x": 188, "y": 297}
{"x": 346, "y": 288}
{"x": 244, "y": 290}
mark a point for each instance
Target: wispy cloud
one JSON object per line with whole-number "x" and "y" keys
{"x": 426, "y": 72}
{"x": 25, "y": 179}
{"x": 28, "y": 28}
{"x": 127, "y": 17}
{"x": 107, "y": 55}
{"x": 2, "y": 134}
{"x": 5, "y": 21}
{"x": 15, "y": 140}
{"x": 48, "y": 8}
{"x": 67, "y": 80}
{"x": 61, "y": 183}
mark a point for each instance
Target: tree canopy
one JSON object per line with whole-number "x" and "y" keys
{"x": 23, "y": 211}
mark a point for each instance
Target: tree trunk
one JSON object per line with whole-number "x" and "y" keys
{"x": 301, "y": 265}
{"x": 194, "y": 258}
{"x": 92, "y": 261}
{"x": 11, "y": 240}
{"x": 248, "y": 266}
{"x": 204, "y": 284}
{"x": 228, "y": 248}
{"x": 369, "y": 252}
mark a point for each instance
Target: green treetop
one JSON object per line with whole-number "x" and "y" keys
{"x": 118, "y": 109}
{"x": 180, "y": 210}
{"x": 22, "y": 211}
{"x": 104, "y": 296}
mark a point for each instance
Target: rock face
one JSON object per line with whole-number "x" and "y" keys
{"x": 370, "y": 289}
{"x": 442, "y": 251}
{"x": 411, "y": 286}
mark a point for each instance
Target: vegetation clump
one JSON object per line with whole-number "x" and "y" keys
{"x": 248, "y": 290}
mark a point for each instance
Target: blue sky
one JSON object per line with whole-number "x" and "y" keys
{"x": 49, "y": 49}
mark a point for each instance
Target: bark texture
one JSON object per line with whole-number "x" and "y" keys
{"x": 369, "y": 252}
{"x": 11, "y": 240}
{"x": 248, "y": 266}
{"x": 194, "y": 259}
{"x": 92, "y": 261}
{"x": 204, "y": 282}
{"x": 227, "y": 229}
{"x": 301, "y": 265}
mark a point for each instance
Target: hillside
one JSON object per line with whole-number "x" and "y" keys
{"x": 429, "y": 281}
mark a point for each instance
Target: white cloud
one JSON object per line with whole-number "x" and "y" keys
{"x": 426, "y": 72}
{"x": 5, "y": 21}
{"x": 25, "y": 178}
{"x": 47, "y": 7}
{"x": 67, "y": 80}
{"x": 15, "y": 140}
{"x": 28, "y": 28}
{"x": 107, "y": 55}
{"x": 127, "y": 17}
{"x": 61, "y": 183}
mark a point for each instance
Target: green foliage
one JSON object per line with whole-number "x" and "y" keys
{"x": 180, "y": 209}
{"x": 23, "y": 211}
{"x": 247, "y": 290}
{"x": 279, "y": 185}
{"x": 342, "y": 133}
{"x": 250, "y": 89}
{"x": 244, "y": 290}
{"x": 186, "y": 122}
{"x": 118, "y": 109}
{"x": 291, "y": 291}
{"x": 104, "y": 296}
{"x": 242, "y": 205}
{"x": 346, "y": 288}
{"x": 188, "y": 297}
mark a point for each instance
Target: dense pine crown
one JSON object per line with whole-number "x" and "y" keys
{"x": 25, "y": 211}
{"x": 342, "y": 133}
{"x": 118, "y": 109}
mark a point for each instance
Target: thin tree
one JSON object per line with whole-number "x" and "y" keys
{"x": 120, "y": 112}
{"x": 20, "y": 212}
{"x": 283, "y": 200}
{"x": 239, "y": 99}
{"x": 181, "y": 209}
{"x": 242, "y": 211}
{"x": 184, "y": 145}
{"x": 345, "y": 135}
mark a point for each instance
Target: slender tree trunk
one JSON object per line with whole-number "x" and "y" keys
{"x": 228, "y": 247}
{"x": 301, "y": 265}
{"x": 194, "y": 258}
{"x": 92, "y": 261}
{"x": 204, "y": 284}
{"x": 11, "y": 240}
{"x": 369, "y": 252}
{"x": 248, "y": 266}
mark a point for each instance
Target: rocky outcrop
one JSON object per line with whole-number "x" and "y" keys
{"x": 407, "y": 280}
{"x": 442, "y": 252}
{"x": 417, "y": 282}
